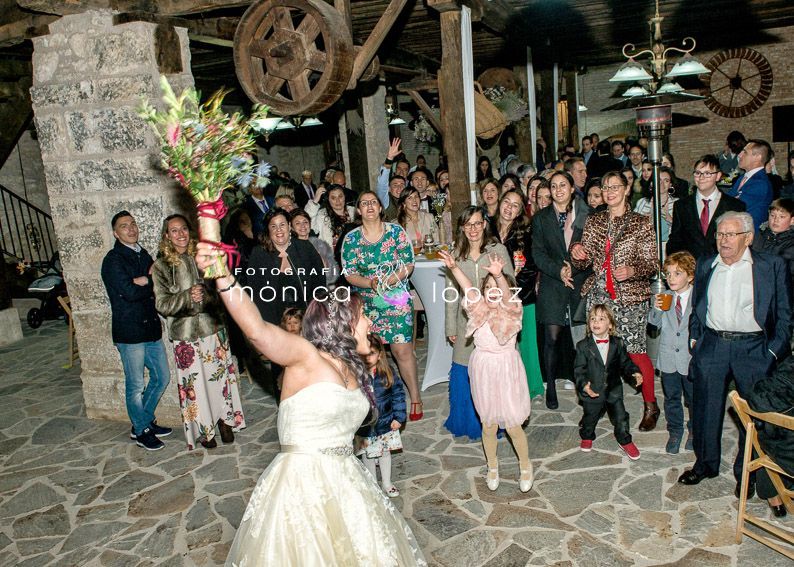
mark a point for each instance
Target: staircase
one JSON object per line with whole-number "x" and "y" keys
{"x": 26, "y": 232}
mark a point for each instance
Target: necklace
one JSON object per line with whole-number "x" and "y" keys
{"x": 381, "y": 231}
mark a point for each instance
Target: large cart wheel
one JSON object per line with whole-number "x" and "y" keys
{"x": 295, "y": 56}
{"x": 35, "y": 318}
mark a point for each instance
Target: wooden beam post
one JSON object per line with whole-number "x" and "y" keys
{"x": 450, "y": 90}
{"x": 573, "y": 107}
{"x": 423, "y": 106}
{"x": 547, "y": 112}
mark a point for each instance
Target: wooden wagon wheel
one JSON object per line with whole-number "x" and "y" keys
{"x": 295, "y": 56}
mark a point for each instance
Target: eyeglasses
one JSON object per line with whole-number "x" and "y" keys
{"x": 705, "y": 173}
{"x": 473, "y": 225}
{"x": 370, "y": 203}
{"x": 612, "y": 188}
{"x": 730, "y": 235}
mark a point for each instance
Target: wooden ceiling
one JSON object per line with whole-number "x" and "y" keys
{"x": 573, "y": 32}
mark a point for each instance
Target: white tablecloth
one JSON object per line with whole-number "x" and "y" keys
{"x": 428, "y": 279}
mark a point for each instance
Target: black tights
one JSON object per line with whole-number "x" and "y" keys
{"x": 553, "y": 341}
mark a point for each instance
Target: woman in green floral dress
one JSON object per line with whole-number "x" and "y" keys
{"x": 377, "y": 258}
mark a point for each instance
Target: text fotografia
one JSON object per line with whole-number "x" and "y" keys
{"x": 293, "y": 294}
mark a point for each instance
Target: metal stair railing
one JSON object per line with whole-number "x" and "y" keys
{"x": 26, "y": 232}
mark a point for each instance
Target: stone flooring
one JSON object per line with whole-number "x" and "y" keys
{"x": 75, "y": 491}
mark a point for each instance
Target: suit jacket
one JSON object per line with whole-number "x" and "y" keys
{"x": 549, "y": 252}
{"x": 756, "y": 194}
{"x": 599, "y": 165}
{"x": 674, "y": 340}
{"x": 589, "y": 367}
{"x": 685, "y": 233}
{"x": 256, "y": 214}
{"x": 771, "y": 301}
{"x": 301, "y": 196}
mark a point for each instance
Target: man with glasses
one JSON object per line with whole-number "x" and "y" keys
{"x": 740, "y": 328}
{"x": 693, "y": 216}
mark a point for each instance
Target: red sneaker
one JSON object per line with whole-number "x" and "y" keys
{"x": 631, "y": 451}
{"x": 586, "y": 445}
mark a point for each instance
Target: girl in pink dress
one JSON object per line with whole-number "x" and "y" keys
{"x": 498, "y": 379}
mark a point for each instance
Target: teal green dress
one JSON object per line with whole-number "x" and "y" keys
{"x": 391, "y": 311}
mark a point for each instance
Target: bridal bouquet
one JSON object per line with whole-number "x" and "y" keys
{"x": 207, "y": 151}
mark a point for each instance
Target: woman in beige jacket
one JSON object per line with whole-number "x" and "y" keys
{"x": 207, "y": 372}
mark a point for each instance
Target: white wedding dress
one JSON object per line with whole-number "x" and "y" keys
{"x": 316, "y": 504}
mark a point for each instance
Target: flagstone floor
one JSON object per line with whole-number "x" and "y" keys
{"x": 75, "y": 491}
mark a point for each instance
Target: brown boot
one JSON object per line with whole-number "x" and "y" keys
{"x": 650, "y": 416}
{"x": 227, "y": 434}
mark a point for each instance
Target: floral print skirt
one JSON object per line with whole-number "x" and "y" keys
{"x": 208, "y": 389}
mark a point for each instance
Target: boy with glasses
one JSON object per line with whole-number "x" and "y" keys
{"x": 693, "y": 229}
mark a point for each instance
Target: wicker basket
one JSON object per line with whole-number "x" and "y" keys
{"x": 488, "y": 120}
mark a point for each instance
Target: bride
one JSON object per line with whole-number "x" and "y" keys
{"x": 316, "y": 504}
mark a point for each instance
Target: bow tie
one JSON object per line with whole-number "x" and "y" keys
{"x": 602, "y": 341}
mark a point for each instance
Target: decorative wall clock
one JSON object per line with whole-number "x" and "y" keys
{"x": 739, "y": 84}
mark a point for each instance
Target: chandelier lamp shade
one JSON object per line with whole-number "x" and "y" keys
{"x": 655, "y": 72}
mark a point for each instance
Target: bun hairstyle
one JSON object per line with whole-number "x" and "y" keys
{"x": 328, "y": 324}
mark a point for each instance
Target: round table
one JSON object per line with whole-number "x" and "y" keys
{"x": 429, "y": 281}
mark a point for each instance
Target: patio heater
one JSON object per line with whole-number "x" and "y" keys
{"x": 655, "y": 122}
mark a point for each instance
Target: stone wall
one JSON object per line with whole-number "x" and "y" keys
{"x": 688, "y": 143}
{"x": 98, "y": 156}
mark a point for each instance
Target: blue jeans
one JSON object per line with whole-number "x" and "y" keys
{"x": 141, "y": 398}
{"x": 674, "y": 386}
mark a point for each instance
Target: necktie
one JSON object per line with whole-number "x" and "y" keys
{"x": 678, "y": 311}
{"x": 263, "y": 205}
{"x": 704, "y": 217}
{"x": 561, "y": 218}
{"x": 741, "y": 184}
{"x": 602, "y": 341}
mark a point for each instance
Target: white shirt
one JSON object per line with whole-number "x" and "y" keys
{"x": 684, "y": 295}
{"x": 752, "y": 172}
{"x": 714, "y": 200}
{"x": 136, "y": 246}
{"x": 603, "y": 348}
{"x": 730, "y": 296}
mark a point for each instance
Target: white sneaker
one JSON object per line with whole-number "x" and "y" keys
{"x": 568, "y": 385}
{"x": 492, "y": 479}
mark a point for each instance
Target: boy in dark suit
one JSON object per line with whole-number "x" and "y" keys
{"x": 601, "y": 363}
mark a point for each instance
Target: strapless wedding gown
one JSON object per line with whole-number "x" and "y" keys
{"x": 316, "y": 504}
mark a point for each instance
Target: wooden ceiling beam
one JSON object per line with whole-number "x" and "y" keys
{"x": 161, "y": 7}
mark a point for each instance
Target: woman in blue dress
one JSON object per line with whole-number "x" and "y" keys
{"x": 473, "y": 245}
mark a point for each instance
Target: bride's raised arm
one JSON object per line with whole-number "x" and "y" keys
{"x": 274, "y": 342}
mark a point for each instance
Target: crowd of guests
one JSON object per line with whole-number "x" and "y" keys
{"x": 574, "y": 238}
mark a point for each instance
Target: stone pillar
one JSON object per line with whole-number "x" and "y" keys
{"x": 376, "y": 132}
{"x": 99, "y": 158}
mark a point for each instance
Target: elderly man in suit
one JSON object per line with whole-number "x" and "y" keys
{"x": 693, "y": 217}
{"x": 754, "y": 188}
{"x": 305, "y": 192}
{"x": 739, "y": 328}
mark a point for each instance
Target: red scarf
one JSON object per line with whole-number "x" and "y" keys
{"x": 607, "y": 265}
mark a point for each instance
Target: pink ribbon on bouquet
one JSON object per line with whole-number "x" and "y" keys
{"x": 217, "y": 210}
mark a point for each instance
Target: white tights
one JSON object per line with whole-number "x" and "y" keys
{"x": 384, "y": 463}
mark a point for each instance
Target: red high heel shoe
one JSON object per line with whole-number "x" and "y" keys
{"x": 416, "y": 415}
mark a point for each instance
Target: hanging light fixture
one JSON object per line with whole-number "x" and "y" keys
{"x": 636, "y": 90}
{"x": 285, "y": 124}
{"x": 670, "y": 87}
{"x": 265, "y": 126}
{"x": 312, "y": 121}
{"x": 631, "y": 71}
{"x": 393, "y": 115}
{"x": 656, "y": 71}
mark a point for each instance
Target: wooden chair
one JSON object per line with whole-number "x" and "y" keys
{"x": 762, "y": 460}
{"x": 74, "y": 352}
